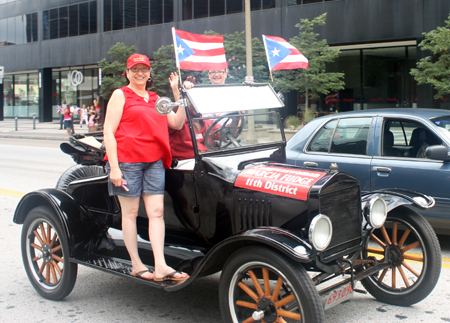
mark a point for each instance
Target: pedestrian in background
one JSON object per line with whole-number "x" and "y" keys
{"x": 92, "y": 120}
{"x": 83, "y": 116}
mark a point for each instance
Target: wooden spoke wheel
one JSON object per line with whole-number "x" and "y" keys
{"x": 261, "y": 285}
{"x": 45, "y": 254}
{"x": 408, "y": 242}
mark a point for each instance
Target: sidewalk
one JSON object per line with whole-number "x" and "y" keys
{"x": 44, "y": 130}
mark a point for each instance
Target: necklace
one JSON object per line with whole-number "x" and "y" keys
{"x": 136, "y": 90}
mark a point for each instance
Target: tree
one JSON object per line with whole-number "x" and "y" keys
{"x": 112, "y": 70}
{"x": 315, "y": 80}
{"x": 236, "y": 54}
{"x": 435, "y": 69}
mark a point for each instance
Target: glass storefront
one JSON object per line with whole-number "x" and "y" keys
{"x": 21, "y": 91}
{"x": 21, "y": 95}
{"x": 84, "y": 93}
{"x": 374, "y": 78}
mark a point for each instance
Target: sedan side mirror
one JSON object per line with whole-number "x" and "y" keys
{"x": 437, "y": 152}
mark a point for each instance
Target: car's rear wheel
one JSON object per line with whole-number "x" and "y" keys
{"x": 259, "y": 284}
{"x": 45, "y": 254}
{"x": 413, "y": 249}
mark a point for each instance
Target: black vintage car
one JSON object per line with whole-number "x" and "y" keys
{"x": 290, "y": 241}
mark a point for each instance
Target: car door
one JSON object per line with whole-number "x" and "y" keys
{"x": 409, "y": 170}
{"x": 344, "y": 141}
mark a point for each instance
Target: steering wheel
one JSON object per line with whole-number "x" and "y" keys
{"x": 226, "y": 135}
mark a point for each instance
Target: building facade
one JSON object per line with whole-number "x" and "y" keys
{"x": 50, "y": 48}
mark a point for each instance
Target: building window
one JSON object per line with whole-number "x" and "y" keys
{"x": 217, "y": 8}
{"x": 18, "y": 30}
{"x": 187, "y": 9}
{"x": 21, "y": 95}
{"x": 200, "y": 9}
{"x": 69, "y": 21}
{"x": 143, "y": 13}
{"x": 234, "y": 6}
{"x": 193, "y": 9}
{"x": 130, "y": 14}
{"x": 84, "y": 18}
{"x": 63, "y": 22}
{"x": 120, "y": 14}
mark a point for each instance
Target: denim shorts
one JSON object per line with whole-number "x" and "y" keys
{"x": 141, "y": 178}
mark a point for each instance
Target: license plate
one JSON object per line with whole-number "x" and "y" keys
{"x": 339, "y": 295}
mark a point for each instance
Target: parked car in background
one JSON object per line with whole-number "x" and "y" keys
{"x": 395, "y": 148}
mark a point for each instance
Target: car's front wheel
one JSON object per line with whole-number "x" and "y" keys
{"x": 259, "y": 284}
{"x": 45, "y": 254}
{"x": 412, "y": 248}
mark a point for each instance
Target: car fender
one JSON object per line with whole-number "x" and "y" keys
{"x": 76, "y": 221}
{"x": 279, "y": 239}
{"x": 397, "y": 197}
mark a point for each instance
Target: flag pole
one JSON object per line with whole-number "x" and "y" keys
{"x": 268, "y": 60}
{"x": 179, "y": 75}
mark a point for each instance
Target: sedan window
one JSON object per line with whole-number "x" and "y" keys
{"x": 348, "y": 136}
{"x": 410, "y": 139}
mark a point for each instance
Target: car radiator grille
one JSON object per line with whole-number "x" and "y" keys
{"x": 254, "y": 213}
{"x": 343, "y": 208}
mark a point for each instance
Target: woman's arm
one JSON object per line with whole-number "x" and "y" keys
{"x": 112, "y": 120}
{"x": 176, "y": 120}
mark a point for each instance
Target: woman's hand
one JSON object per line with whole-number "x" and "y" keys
{"x": 189, "y": 83}
{"x": 173, "y": 80}
{"x": 116, "y": 176}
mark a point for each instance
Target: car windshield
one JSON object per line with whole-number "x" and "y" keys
{"x": 233, "y": 130}
{"x": 444, "y": 125}
{"x": 232, "y": 116}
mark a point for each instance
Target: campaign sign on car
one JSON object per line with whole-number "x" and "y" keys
{"x": 338, "y": 296}
{"x": 289, "y": 182}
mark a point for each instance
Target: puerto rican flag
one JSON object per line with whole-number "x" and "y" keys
{"x": 199, "y": 52}
{"x": 334, "y": 97}
{"x": 283, "y": 56}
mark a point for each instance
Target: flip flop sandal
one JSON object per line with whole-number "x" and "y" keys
{"x": 140, "y": 273}
{"x": 171, "y": 277}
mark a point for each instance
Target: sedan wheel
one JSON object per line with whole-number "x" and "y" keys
{"x": 46, "y": 256}
{"x": 411, "y": 246}
{"x": 259, "y": 284}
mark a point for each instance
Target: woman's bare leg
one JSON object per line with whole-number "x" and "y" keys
{"x": 154, "y": 206}
{"x": 130, "y": 207}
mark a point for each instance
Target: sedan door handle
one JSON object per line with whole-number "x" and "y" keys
{"x": 310, "y": 164}
{"x": 382, "y": 169}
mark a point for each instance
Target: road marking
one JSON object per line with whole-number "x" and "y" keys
{"x": 11, "y": 193}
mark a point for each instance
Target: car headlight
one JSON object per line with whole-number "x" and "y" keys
{"x": 376, "y": 212}
{"x": 320, "y": 232}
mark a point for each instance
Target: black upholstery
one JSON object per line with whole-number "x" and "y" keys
{"x": 388, "y": 143}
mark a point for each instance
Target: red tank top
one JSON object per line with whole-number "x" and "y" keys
{"x": 142, "y": 135}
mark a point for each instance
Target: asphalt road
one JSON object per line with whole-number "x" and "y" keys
{"x": 26, "y": 165}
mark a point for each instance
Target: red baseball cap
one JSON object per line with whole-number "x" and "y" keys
{"x": 136, "y": 59}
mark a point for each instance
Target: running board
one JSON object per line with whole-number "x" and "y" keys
{"x": 123, "y": 268}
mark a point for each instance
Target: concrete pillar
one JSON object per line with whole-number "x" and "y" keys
{"x": 45, "y": 95}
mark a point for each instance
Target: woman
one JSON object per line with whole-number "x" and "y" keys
{"x": 137, "y": 146}
{"x": 67, "y": 116}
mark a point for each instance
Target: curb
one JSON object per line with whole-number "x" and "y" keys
{"x": 43, "y": 137}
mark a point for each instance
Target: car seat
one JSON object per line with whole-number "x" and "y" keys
{"x": 388, "y": 142}
{"x": 418, "y": 137}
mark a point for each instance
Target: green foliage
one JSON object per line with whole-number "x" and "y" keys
{"x": 308, "y": 115}
{"x": 315, "y": 80}
{"x": 435, "y": 69}
{"x": 112, "y": 70}
{"x": 292, "y": 121}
